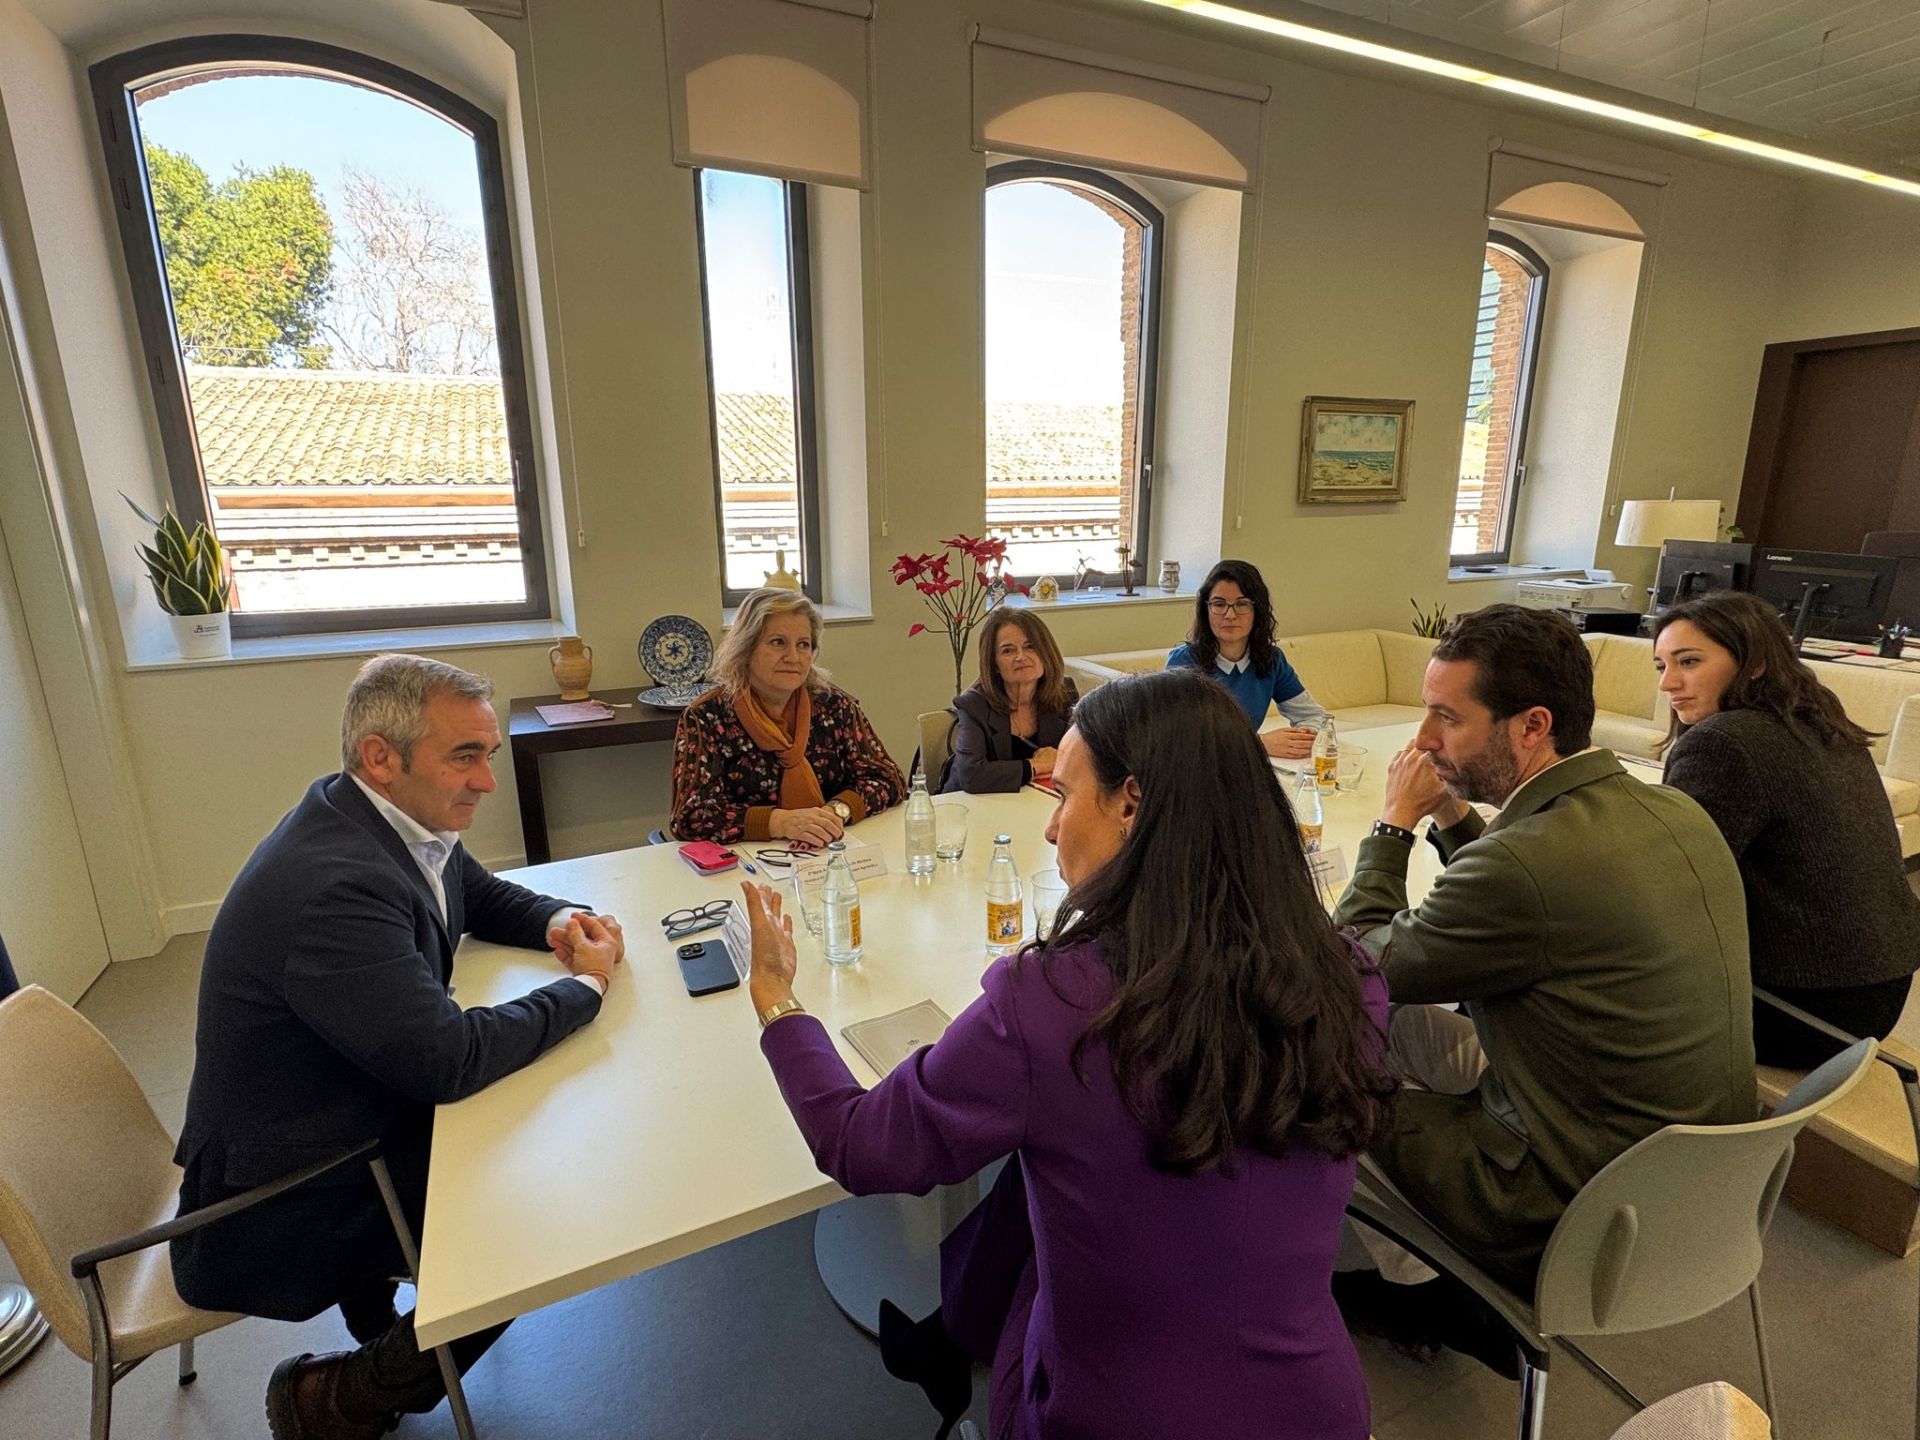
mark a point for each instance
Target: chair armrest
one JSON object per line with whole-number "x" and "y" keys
{"x": 1905, "y": 1069}
{"x": 87, "y": 1261}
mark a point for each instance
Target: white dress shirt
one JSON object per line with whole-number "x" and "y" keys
{"x": 431, "y": 849}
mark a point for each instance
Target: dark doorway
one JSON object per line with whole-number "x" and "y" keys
{"x": 1835, "y": 446}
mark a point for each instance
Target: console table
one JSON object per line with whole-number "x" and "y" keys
{"x": 531, "y": 737}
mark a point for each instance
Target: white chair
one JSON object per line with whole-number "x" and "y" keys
{"x": 936, "y": 745}
{"x": 1669, "y": 1230}
{"x": 1714, "y": 1411}
{"x": 84, "y": 1158}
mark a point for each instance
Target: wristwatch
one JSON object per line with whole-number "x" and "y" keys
{"x": 1398, "y": 832}
{"x": 780, "y": 1007}
{"x": 842, "y": 809}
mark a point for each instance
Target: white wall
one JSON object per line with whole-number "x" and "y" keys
{"x": 1358, "y": 271}
{"x": 1854, "y": 265}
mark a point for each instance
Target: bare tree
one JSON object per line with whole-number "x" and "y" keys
{"x": 410, "y": 291}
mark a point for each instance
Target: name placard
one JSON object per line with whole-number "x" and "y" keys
{"x": 1329, "y": 867}
{"x": 865, "y": 859}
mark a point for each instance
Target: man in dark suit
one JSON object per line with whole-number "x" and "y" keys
{"x": 1594, "y": 932}
{"x": 326, "y": 1020}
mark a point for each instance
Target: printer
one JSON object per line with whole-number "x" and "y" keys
{"x": 1592, "y": 593}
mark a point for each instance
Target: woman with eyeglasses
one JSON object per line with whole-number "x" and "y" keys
{"x": 1232, "y": 643}
{"x": 775, "y": 751}
{"x": 1180, "y": 1076}
{"x": 1011, "y": 718}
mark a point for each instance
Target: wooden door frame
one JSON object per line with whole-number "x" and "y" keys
{"x": 1773, "y": 402}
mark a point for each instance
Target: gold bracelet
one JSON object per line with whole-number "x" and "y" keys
{"x": 773, "y": 1012}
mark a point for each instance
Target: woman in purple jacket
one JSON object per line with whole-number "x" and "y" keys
{"x": 1183, "y": 1074}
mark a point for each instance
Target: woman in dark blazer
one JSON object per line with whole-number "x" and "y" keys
{"x": 1832, "y": 924}
{"x": 1011, "y": 718}
{"x": 1182, "y": 1074}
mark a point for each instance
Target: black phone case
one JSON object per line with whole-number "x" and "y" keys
{"x": 711, "y": 972}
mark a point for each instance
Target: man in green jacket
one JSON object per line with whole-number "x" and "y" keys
{"x": 1593, "y": 932}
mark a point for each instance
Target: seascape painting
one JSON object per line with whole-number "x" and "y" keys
{"x": 1353, "y": 450}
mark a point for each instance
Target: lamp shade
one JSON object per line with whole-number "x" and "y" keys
{"x": 1654, "y": 522}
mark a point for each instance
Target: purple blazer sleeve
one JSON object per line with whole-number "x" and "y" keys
{"x": 940, "y": 1116}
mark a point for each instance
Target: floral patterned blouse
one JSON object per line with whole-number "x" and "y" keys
{"x": 726, "y": 788}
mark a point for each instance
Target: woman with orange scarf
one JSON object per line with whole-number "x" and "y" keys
{"x": 775, "y": 751}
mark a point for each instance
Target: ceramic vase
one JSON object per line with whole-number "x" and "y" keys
{"x": 1170, "y": 575}
{"x": 572, "y": 667}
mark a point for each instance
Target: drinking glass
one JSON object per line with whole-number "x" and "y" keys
{"x": 949, "y": 829}
{"x": 1048, "y": 890}
{"x": 806, "y": 898}
{"x": 1351, "y": 765}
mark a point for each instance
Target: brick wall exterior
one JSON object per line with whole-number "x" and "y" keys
{"x": 1133, "y": 237}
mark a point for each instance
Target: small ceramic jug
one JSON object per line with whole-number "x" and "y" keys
{"x": 1170, "y": 575}
{"x": 572, "y": 667}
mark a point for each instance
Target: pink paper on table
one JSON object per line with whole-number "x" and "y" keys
{"x": 577, "y": 712}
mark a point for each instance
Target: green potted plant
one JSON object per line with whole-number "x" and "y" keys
{"x": 1430, "y": 623}
{"x": 190, "y": 580}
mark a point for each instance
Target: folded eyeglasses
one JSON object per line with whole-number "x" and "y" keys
{"x": 694, "y": 919}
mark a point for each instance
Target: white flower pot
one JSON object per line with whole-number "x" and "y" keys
{"x": 202, "y": 637}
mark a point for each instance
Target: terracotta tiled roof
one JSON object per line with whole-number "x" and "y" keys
{"x": 262, "y": 427}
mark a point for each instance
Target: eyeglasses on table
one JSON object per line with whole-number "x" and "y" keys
{"x": 695, "y": 918}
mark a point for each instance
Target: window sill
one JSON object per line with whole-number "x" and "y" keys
{"x": 1101, "y": 600}
{"x": 363, "y": 642}
{"x": 1458, "y": 573}
{"x": 829, "y": 614}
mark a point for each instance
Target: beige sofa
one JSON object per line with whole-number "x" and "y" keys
{"x": 1372, "y": 677}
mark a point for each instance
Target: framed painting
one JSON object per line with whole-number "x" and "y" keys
{"x": 1354, "y": 452}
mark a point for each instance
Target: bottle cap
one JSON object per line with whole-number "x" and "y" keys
{"x": 836, "y": 845}
{"x": 1003, "y": 839}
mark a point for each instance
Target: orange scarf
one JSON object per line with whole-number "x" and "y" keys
{"x": 786, "y": 737}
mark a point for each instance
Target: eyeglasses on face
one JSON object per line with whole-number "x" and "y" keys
{"x": 694, "y": 919}
{"x": 1242, "y": 606}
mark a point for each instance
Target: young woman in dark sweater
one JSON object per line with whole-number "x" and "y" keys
{"x": 1769, "y": 753}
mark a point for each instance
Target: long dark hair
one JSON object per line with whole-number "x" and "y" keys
{"x": 1050, "y": 695}
{"x": 1261, "y": 650}
{"x": 1237, "y": 1017}
{"x": 1769, "y": 676}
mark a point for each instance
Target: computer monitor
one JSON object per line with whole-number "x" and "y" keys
{"x": 1691, "y": 568}
{"x": 1840, "y": 597}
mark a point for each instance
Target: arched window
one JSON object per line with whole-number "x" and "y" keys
{"x": 1072, "y": 332}
{"x": 322, "y": 270}
{"x": 1506, "y": 345}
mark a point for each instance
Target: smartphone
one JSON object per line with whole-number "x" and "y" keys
{"x": 708, "y": 858}
{"x": 706, "y": 967}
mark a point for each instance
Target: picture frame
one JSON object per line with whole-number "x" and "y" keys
{"x": 1354, "y": 451}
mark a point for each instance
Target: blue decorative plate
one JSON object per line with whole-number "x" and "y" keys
{"x": 676, "y": 651}
{"x": 665, "y": 697}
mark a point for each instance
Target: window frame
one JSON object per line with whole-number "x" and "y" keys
{"x": 806, "y": 420}
{"x": 1535, "y": 264}
{"x": 113, "y": 81}
{"x": 1146, "y": 398}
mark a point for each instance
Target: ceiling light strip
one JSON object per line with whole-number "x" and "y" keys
{"x": 1526, "y": 89}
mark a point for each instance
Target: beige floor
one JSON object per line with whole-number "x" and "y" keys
{"x": 741, "y": 1343}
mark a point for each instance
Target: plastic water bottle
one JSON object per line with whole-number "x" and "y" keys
{"x": 1006, "y": 922}
{"x": 1326, "y": 757}
{"x": 920, "y": 825}
{"x": 840, "y": 897}
{"x": 1307, "y": 811}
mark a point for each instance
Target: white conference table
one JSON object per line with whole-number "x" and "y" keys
{"x": 657, "y": 1131}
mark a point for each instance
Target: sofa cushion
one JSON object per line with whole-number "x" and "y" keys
{"x": 1340, "y": 668}
{"x": 1368, "y": 717}
{"x": 1404, "y": 657}
{"x": 1872, "y": 698}
{"x": 1629, "y": 734}
{"x": 1623, "y": 676}
{"x": 1903, "y": 795}
{"x": 1870, "y": 1121}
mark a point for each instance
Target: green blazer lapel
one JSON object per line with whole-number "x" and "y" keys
{"x": 1556, "y": 780}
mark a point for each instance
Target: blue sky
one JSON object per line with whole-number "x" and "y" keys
{"x": 321, "y": 126}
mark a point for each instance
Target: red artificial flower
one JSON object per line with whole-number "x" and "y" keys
{"x": 907, "y": 567}
{"x": 938, "y": 568}
{"x": 936, "y": 587}
{"x": 915, "y": 631}
{"x": 988, "y": 551}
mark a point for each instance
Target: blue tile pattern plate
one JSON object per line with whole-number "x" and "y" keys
{"x": 665, "y": 697}
{"x": 676, "y": 651}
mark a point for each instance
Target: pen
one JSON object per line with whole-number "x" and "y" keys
{"x": 747, "y": 865}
